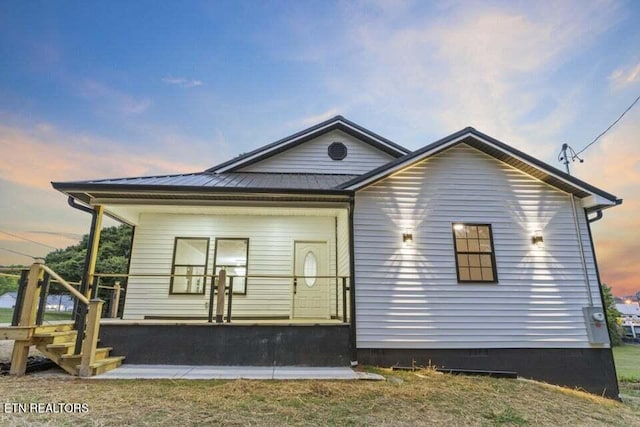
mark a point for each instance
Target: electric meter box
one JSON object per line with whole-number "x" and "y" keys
{"x": 594, "y": 319}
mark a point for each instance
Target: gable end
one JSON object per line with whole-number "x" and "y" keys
{"x": 335, "y": 123}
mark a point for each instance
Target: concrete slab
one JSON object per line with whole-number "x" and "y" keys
{"x": 128, "y": 371}
{"x": 230, "y": 372}
{"x": 304, "y": 373}
{"x": 146, "y": 372}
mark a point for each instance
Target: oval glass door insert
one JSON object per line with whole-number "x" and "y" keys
{"x": 310, "y": 269}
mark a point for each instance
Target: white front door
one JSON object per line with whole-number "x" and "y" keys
{"x": 310, "y": 292}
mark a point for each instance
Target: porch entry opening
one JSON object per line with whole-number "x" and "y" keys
{"x": 311, "y": 282}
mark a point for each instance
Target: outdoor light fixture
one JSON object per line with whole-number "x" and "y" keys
{"x": 458, "y": 227}
{"x": 407, "y": 237}
{"x": 537, "y": 239}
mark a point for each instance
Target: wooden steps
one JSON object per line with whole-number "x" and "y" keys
{"x": 58, "y": 342}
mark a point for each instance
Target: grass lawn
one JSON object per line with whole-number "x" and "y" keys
{"x": 7, "y": 313}
{"x": 627, "y": 359}
{"x": 423, "y": 398}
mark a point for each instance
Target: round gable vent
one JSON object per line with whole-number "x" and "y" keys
{"x": 337, "y": 151}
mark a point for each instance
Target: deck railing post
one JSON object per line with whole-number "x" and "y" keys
{"x": 79, "y": 325}
{"x": 344, "y": 300}
{"x": 44, "y": 293}
{"x": 212, "y": 293}
{"x": 90, "y": 342}
{"x": 230, "y": 299}
{"x": 337, "y": 296}
{"x": 22, "y": 287}
{"x": 115, "y": 301}
{"x": 222, "y": 279}
{"x": 27, "y": 318}
{"x": 95, "y": 286}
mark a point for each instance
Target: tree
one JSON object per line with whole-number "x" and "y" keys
{"x": 8, "y": 284}
{"x": 113, "y": 255}
{"x": 615, "y": 332}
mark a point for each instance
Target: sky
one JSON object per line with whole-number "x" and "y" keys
{"x": 112, "y": 89}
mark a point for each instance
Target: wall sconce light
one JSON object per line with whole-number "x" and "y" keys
{"x": 537, "y": 239}
{"x": 407, "y": 237}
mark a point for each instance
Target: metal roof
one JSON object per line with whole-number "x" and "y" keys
{"x": 237, "y": 180}
{"x": 210, "y": 185}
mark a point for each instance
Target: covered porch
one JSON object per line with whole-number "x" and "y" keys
{"x": 288, "y": 264}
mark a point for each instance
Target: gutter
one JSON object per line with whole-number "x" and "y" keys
{"x": 598, "y": 216}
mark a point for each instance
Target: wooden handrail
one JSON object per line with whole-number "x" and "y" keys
{"x": 250, "y": 276}
{"x": 73, "y": 291}
{"x": 14, "y": 268}
{"x": 10, "y": 275}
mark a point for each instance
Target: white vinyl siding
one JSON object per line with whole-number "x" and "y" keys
{"x": 409, "y": 296}
{"x": 271, "y": 241}
{"x": 312, "y": 157}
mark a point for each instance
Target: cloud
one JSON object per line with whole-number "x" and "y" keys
{"x": 34, "y": 156}
{"x": 438, "y": 67}
{"x": 109, "y": 98}
{"x": 317, "y": 118}
{"x": 621, "y": 77}
{"x": 182, "y": 82}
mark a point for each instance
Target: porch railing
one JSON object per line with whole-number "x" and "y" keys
{"x": 221, "y": 294}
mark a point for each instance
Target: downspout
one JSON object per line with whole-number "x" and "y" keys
{"x": 604, "y": 306}
{"x": 581, "y": 247}
{"x": 352, "y": 282}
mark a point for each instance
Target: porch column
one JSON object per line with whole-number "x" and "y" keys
{"x": 352, "y": 283}
{"x": 92, "y": 251}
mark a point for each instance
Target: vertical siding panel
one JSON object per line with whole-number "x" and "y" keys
{"x": 409, "y": 297}
{"x": 312, "y": 157}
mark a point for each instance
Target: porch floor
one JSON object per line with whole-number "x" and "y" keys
{"x": 256, "y": 321}
{"x": 187, "y": 372}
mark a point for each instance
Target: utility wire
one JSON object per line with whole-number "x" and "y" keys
{"x": 20, "y": 253}
{"x": 607, "y": 129}
{"x": 28, "y": 240}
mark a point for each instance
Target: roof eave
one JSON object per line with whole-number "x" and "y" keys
{"x": 69, "y": 187}
{"x": 459, "y": 137}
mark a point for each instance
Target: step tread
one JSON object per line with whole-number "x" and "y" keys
{"x": 61, "y": 345}
{"x": 55, "y": 334}
{"x": 107, "y": 361}
{"x": 76, "y": 356}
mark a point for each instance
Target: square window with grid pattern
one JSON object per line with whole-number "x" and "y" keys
{"x": 475, "y": 258}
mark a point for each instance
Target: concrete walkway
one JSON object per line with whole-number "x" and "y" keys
{"x": 235, "y": 372}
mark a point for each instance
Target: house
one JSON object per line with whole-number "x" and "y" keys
{"x": 341, "y": 247}
{"x": 8, "y": 300}
{"x": 59, "y": 302}
{"x": 630, "y": 312}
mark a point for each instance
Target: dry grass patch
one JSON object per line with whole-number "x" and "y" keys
{"x": 425, "y": 399}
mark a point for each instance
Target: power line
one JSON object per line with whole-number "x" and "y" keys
{"x": 607, "y": 129}
{"x": 20, "y": 253}
{"x": 28, "y": 240}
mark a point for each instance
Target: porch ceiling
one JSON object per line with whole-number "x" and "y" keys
{"x": 131, "y": 213}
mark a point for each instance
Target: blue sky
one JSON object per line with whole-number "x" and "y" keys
{"x": 118, "y": 88}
